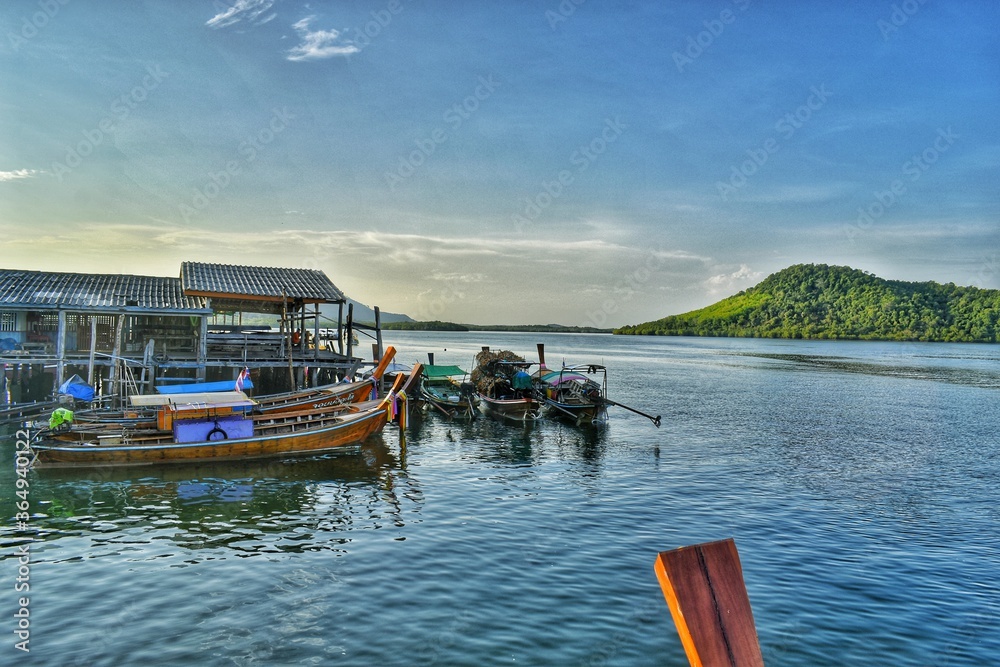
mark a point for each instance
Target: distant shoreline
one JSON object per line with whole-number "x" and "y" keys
{"x": 510, "y": 328}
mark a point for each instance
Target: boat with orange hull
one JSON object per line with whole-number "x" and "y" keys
{"x": 277, "y": 439}
{"x": 220, "y": 432}
{"x": 332, "y": 396}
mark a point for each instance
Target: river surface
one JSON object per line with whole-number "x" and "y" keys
{"x": 861, "y": 482}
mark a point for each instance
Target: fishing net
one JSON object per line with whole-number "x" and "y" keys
{"x": 490, "y": 375}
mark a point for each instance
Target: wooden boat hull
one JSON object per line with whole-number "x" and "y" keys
{"x": 448, "y": 400}
{"x": 282, "y": 439}
{"x": 329, "y": 396}
{"x": 582, "y": 414}
{"x": 516, "y": 409}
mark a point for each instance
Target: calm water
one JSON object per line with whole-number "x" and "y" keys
{"x": 861, "y": 482}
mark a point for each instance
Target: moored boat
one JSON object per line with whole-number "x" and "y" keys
{"x": 218, "y": 432}
{"x": 578, "y": 393}
{"x": 330, "y": 397}
{"x": 503, "y": 386}
{"x": 575, "y": 393}
{"x": 446, "y": 389}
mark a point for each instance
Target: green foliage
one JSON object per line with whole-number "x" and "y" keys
{"x": 435, "y": 325}
{"x": 451, "y": 326}
{"x": 838, "y": 302}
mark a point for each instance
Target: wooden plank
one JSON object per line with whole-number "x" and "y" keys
{"x": 703, "y": 586}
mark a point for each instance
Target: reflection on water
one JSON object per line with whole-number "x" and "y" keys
{"x": 861, "y": 482}
{"x": 973, "y": 377}
{"x": 243, "y": 508}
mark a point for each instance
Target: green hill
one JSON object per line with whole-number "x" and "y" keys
{"x": 838, "y": 302}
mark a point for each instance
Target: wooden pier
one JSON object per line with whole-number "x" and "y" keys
{"x": 125, "y": 334}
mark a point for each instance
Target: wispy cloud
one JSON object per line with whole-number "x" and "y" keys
{"x": 318, "y": 44}
{"x": 18, "y": 174}
{"x": 249, "y": 10}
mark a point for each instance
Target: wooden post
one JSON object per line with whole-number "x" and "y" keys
{"x": 203, "y": 347}
{"x": 703, "y": 586}
{"x": 60, "y": 350}
{"x": 286, "y": 319}
{"x": 316, "y": 333}
{"x": 93, "y": 350}
{"x": 340, "y": 328}
{"x": 349, "y": 331}
{"x": 378, "y": 331}
{"x": 118, "y": 381}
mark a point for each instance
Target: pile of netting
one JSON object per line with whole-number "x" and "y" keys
{"x": 489, "y": 374}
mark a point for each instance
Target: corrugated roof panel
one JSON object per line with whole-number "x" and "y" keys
{"x": 94, "y": 291}
{"x": 255, "y": 281}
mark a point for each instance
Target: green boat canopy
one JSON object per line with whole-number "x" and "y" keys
{"x": 434, "y": 372}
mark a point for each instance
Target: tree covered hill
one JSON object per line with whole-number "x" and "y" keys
{"x": 820, "y": 301}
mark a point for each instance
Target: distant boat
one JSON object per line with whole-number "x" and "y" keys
{"x": 447, "y": 390}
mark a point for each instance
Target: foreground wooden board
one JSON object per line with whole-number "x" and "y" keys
{"x": 703, "y": 586}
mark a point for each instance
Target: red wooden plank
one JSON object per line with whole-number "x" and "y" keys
{"x": 703, "y": 586}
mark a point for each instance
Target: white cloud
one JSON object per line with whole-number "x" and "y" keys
{"x": 240, "y": 10}
{"x": 728, "y": 283}
{"x": 18, "y": 174}
{"x": 317, "y": 44}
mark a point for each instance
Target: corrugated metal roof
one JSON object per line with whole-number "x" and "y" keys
{"x": 43, "y": 289}
{"x": 255, "y": 281}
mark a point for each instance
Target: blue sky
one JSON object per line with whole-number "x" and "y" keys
{"x": 579, "y": 162}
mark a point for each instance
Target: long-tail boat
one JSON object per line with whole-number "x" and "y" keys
{"x": 446, "y": 389}
{"x": 504, "y": 387}
{"x": 218, "y": 432}
{"x": 331, "y": 396}
{"x": 575, "y": 393}
{"x": 569, "y": 392}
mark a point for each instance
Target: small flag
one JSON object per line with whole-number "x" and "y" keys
{"x": 243, "y": 377}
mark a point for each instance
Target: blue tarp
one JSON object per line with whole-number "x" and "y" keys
{"x": 199, "y": 387}
{"x": 521, "y": 380}
{"x": 77, "y": 388}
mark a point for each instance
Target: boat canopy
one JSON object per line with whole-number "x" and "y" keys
{"x": 556, "y": 377}
{"x": 434, "y": 372}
